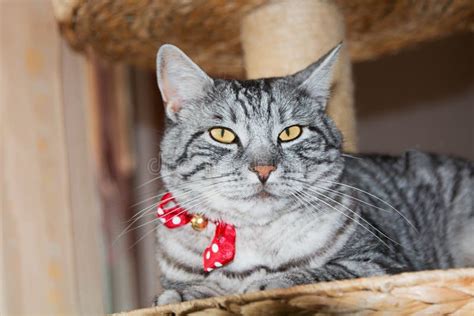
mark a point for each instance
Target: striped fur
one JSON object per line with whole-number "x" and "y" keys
{"x": 325, "y": 216}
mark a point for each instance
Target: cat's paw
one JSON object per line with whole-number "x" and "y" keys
{"x": 268, "y": 284}
{"x": 168, "y": 297}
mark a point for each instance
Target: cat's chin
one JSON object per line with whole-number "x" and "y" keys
{"x": 256, "y": 210}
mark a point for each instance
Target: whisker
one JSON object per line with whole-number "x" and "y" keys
{"x": 355, "y": 213}
{"x": 342, "y": 194}
{"x": 154, "y": 179}
{"x": 177, "y": 187}
{"x": 141, "y": 225}
{"x": 201, "y": 198}
{"x": 350, "y": 156}
{"x": 351, "y": 218}
{"x": 301, "y": 199}
{"x": 153, "y": 230}
{"x": 158, "y": 219}
{"x": 185, "y": 209}
{"x": 149, "y": 209}
{"x": 158, "y": 195}
{"x": 143, "y": 237}
{"x": 140, "y": 212}
{"x": 355, "y": 199}
{"x": 375, "y": 197}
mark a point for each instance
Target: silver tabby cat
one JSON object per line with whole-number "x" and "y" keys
{"x": 303, "y": 210}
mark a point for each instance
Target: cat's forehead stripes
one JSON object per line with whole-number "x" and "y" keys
{"x": 253, "y": 100}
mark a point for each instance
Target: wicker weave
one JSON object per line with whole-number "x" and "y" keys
{"x": 209, "y": 30}
{"x": 422, "y": 293}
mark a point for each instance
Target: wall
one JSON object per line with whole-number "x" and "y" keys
{"x": 421, "y": 98}
{"x": 51, "y": 262}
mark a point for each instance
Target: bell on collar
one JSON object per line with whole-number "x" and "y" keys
{"x": 199, "y": 222}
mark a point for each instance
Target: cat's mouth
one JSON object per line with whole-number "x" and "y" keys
{"x": 256, "y": 193}
{"x": 263, "y": 195}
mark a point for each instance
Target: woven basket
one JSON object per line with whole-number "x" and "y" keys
{"x": 209, "y": 30}
{"x": 435, "y": 292}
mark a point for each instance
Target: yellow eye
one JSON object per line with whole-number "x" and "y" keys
{"x": 222, "y": 135}
{"x": 290, "y": 133}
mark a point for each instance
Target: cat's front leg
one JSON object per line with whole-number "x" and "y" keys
{"x": 168, "y": 297}
{"x": 187, "y": 292}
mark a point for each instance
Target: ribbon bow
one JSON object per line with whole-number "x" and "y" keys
{"x": 220, "y": 251}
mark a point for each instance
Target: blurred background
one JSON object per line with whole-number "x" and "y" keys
{"x": 81, "y": 120}
{"x": 422, "y": 98}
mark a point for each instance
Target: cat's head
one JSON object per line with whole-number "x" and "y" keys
{"x": 240, "y": 151}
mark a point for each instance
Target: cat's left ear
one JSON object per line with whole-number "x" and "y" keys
{"x": 316, "y": 78}
{"x": 180, "y": 80}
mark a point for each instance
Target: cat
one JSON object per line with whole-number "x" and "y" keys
{"x": 263, "y": 156}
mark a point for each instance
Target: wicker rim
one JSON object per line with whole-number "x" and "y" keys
{"x": 209, "y": 30}
{"x": 427, "y": 292}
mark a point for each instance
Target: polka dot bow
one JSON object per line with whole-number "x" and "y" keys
{"x": 220, "y": 252}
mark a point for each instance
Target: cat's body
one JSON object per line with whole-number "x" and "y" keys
{"x": 319, "y": 215}
{"x": 434, "y": 193}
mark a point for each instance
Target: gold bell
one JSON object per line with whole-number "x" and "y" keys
{"x": 198, "y": 222}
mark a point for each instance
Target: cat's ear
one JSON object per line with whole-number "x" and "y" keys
{"x": 316, "y": 78}
{"x": 180, "y": 80}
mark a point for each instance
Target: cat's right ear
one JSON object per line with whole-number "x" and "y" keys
{"x": 180, "y": 80}
{"x": 316, "y": 78}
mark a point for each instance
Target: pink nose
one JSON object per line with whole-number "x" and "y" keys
{"x": 263, "y": 172}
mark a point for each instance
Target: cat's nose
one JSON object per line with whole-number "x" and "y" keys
{"x": 263, "y": 172}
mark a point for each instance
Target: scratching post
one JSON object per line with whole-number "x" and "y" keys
{"x": 281, "y": 38}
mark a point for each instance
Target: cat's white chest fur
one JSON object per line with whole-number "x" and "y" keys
{"x": 292, "y": 237}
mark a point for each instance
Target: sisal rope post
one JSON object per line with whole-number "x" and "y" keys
{"x": 284, "y": 37}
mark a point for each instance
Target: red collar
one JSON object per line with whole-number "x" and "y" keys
{"x": 220, "y": 251}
